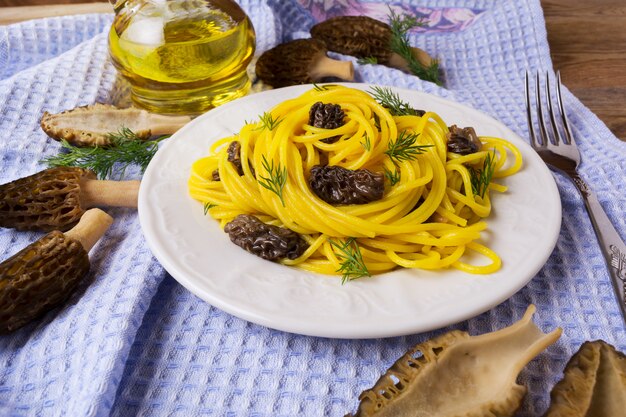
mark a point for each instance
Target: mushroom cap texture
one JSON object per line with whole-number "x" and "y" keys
{"x": 47, "y": 200}
{"x": 38, "y": 278}
{"x": 91, "y": 125}
{"x": 593, "y": 384}
{"x": 290, "y": 63}
{"x": 359, "y": 36}
{"x": 458, "y": 375}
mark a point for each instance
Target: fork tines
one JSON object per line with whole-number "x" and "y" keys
{"x": 554, "y": 134}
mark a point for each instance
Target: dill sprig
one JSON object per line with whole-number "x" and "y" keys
{"x": 387, "y": 98}
{"x": 399, "y": 43}
{"x": 392, "y": 176}
{"x": 367, "y": 143}
{"x": 352, "y": 265}
{"x": 318, "y": 87}
{"x": 268, "y": 122}
{"x": 208, "y": 206}
{"x": 482, "y": 177}
{"x": 368, "y": 60}
{"x": 404, "y": 147}
{"x": 276, "y": 179}
{"x": 125, "y": 149}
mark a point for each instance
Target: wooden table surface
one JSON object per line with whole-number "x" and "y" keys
{"x": 587, "y": 41}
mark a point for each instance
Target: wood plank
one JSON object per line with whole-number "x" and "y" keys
{"x": 17, "y": 14}
{"x": 588, "y": 45}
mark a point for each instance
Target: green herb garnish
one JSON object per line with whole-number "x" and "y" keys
{"x": 404, "y": 147}
{"x": 368, "y": 60}
{"x": 387, "y": 98}
{"x": 125, "y": 149}
{"x": 268, "y": 122}
{"x": 393, "y": 177}
{"x": 208, "y": 206}
{"x": 276, "y": 179}
{"x": 317, "y": 87}
{"x": 352, "y": 266}
{"x": 482, "y": 177}
{"x": 366, "y": 144}
{"x": 399, "y": 43}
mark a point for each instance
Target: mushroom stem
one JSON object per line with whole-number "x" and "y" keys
{"x": 328, "y": 67}
{"x": 166, "y": 125}
{"x": 108, "y": 193}
{"x": 90, "y": 228}
{"x": 397, "y": 61}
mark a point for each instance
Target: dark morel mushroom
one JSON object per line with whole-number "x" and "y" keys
{"x": 463, "y": 141}
{"x": 326, "y": 116}
{"x": 301, "y": 61}
{"x": 266, "y": 241}
{"x": 56, "y": 198}
{"x": 367, "y": 38}
{"x": 338, "y": 185}
{"x": 46, "y": 272}
{"x": 234, "y": 156}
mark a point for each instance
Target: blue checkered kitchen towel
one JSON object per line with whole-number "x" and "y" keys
{"x": 135, "y": 342}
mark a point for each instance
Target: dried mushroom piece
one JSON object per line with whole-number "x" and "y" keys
{"x": 46, "y": 272}
{"x": 327, "y": 116}
{"x": 337, "y": 185}
{"x": 92, "y": 125}
{"x": 56, "y": 198}
{"x": 463, "y": 141}
{"x": 266, "y": 241}
{"x": 456, "y": 374}
{"x": 301, "y": 61}
{"x": 365, "y": 38}
{"x": 593, "y": 384}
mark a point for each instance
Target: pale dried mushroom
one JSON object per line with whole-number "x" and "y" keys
{"x": 593, "y": 384}
{"x": 92, "y": 125}
{"x": 364, "y": 37}
{"x": 46, "y": 272}
{"x": 301, "y": 61}
{"x": 56, "y": 198}
{"x": 456, "y": 374}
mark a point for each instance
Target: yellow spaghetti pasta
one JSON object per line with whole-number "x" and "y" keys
{"x": 434, "y": 201}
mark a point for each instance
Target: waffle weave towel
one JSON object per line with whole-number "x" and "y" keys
{"x": 134, "y": 342}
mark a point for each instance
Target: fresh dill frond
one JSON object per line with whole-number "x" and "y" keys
{"x": 368, "y": 60}
{"x": 367, "y": 143}
{"x": 404, "y": 147}
{"x": 318, "y": 87}
{"x": 387, "y": 98}
{"x": 352, "y": 265}
{"x": 392, "y": 176}
{"x": 399, "y": 43}
{"x": 276, "y": 179}
{"x": 208, "y": 206}
{"x": 268, "y": 122}
{"x": 482, "y": 177}
{"x": 125, "y": 149}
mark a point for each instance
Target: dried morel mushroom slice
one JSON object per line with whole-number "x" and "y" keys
{"x": 301, "y": 61}
{"x": 327, "y": 116}
{"x": 463, "y": 141}
{"x": 593, "y": 384}
{"x": 338, "y": 185}
{"x": 234, "y": 155}
{"x": 92, "y": 125}
{"x": 364, "y": 37}
{"x": 456, "y": 374}
{"x": 45, "y": 273}
{"x": 56, "y": 198}
{"x": 266, "y": 241}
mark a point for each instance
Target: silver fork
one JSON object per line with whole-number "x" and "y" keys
{"x": 561, "y": 154}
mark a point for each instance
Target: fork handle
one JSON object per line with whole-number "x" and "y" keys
{"x": 612, "y": 246}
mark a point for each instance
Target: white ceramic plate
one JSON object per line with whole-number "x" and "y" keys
{"x": 523, "y": 229}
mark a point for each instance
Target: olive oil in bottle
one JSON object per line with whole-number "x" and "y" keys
{"x": 182, "y": 56}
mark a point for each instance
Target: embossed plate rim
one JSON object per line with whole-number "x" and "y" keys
{"x": 198, "y": 254}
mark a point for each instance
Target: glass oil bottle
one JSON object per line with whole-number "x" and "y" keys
{"x": 182, "y": 56}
